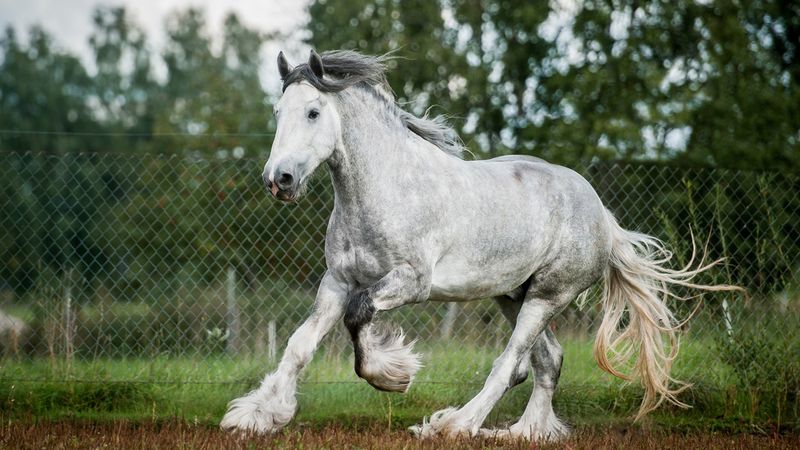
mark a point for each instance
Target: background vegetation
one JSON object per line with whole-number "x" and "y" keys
{"x": 695, "y": 84}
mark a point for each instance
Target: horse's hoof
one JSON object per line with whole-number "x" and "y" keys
{"x": 442, "y": 423}
{"x": 551, "y": 429}
{"x": 255, "y": 413}
{"x": 416, "y": 431}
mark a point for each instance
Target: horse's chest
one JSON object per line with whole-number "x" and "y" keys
{"x": 363, "y": 252}
{"x": 360, "y": 264}
{"x": 368, "y": 264}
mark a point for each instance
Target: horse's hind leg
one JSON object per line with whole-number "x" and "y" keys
{"x": 534, "y": 315}
{"x": 538, "y": 421}
{"x": 510, "y": 308}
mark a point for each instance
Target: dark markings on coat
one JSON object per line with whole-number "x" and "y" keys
{"x": 358, "y": 313}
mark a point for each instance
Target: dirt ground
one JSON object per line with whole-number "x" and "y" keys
{"x": 181, "y": 435}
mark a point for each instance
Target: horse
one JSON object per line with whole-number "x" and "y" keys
{"x": 412, "y": 222}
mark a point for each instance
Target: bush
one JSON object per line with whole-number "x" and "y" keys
{"x": 764, "y": 352}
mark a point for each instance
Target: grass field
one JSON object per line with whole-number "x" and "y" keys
{"x": 177, "y": 402}
{"x": 196, "y": 390}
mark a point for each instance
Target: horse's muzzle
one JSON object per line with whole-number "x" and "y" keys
{"x": 284, "y": 189}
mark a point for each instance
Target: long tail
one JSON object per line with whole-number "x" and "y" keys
{"x": 637, "y": 281}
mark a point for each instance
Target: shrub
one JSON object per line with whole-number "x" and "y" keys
{"x": 764, "y": 352}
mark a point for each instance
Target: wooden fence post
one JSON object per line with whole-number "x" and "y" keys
{"x": 272, "y": 346}
{"x": 232, "y": 343}
{"x": 449, "y": 319}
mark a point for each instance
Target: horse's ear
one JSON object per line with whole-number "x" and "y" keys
{"x": 315, "y": 63}
{"x": 283, "y": 66}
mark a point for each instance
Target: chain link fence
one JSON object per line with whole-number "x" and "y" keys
{"x": 181, "y": 267}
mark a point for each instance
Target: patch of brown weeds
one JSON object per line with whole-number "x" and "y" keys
{"x": 181, "y": 435}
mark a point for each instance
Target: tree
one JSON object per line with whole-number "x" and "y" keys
{"x": 43, "y": 200}
{"x": 73, "y": 212}
{"x": 216, "y": 94}
{"x": 43, "y": 91}
{"x": 701, "y": 84}
{"x": 124, "y": 84}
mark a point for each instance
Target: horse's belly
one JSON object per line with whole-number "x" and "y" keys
{"x": 461, "y": 281}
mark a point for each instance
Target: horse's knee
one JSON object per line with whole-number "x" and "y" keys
{"x": 359, "y": 311}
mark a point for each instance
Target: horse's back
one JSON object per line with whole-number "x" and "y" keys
{"x": 543, "y": 178}
{"x": 526, "y": 158}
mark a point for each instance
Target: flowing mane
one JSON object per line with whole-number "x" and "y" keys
{"x": 345, "y": 68}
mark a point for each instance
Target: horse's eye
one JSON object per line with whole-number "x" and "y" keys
{"x": 313, "y": 114}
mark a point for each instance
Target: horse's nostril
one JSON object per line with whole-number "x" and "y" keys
{"x": 267, "y": 183}
{"x": 285, "y": 180}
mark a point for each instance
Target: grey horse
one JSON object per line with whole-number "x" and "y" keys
{"x": 413, "y": 222}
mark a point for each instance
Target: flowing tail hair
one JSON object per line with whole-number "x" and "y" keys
{"x": 638, "y": 282}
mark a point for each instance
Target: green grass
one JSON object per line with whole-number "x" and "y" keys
{"x": 197, "y": 390}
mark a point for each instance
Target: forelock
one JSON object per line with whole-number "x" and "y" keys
{"x": 343, "y": 68}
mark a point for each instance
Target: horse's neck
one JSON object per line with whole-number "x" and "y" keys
{"x": 362, "y": 166}
{"x": 374, "y": 153}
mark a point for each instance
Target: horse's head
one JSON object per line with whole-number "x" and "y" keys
{"x": 308, "y": 128}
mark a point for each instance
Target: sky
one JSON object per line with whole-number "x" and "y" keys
{"x": 69, "y": 21}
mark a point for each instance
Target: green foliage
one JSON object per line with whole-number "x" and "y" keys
{"x": 189, "y": 320}
{"x": 701, "y": 83}
{"x": 747, "y": 218}
{"x": 218, "y": 94}
{"x": 42, "y": 88}
{"x": 46, "y": 95}
{"x": 97, "y": 397}
{"x": 766, "y": 360}
{"x": 56, "y": 212}
{"x": 126, "y": 92}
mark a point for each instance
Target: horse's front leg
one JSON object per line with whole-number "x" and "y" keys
{"x": 381, "y": 357}
{"x": 273, "y": 404}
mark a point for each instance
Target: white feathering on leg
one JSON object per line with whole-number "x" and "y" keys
{"x": 387, "y": 363}
{"x": 265, "y": 410}
{"x": 542, "y": 425}
{"x": 441, "y": 423}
